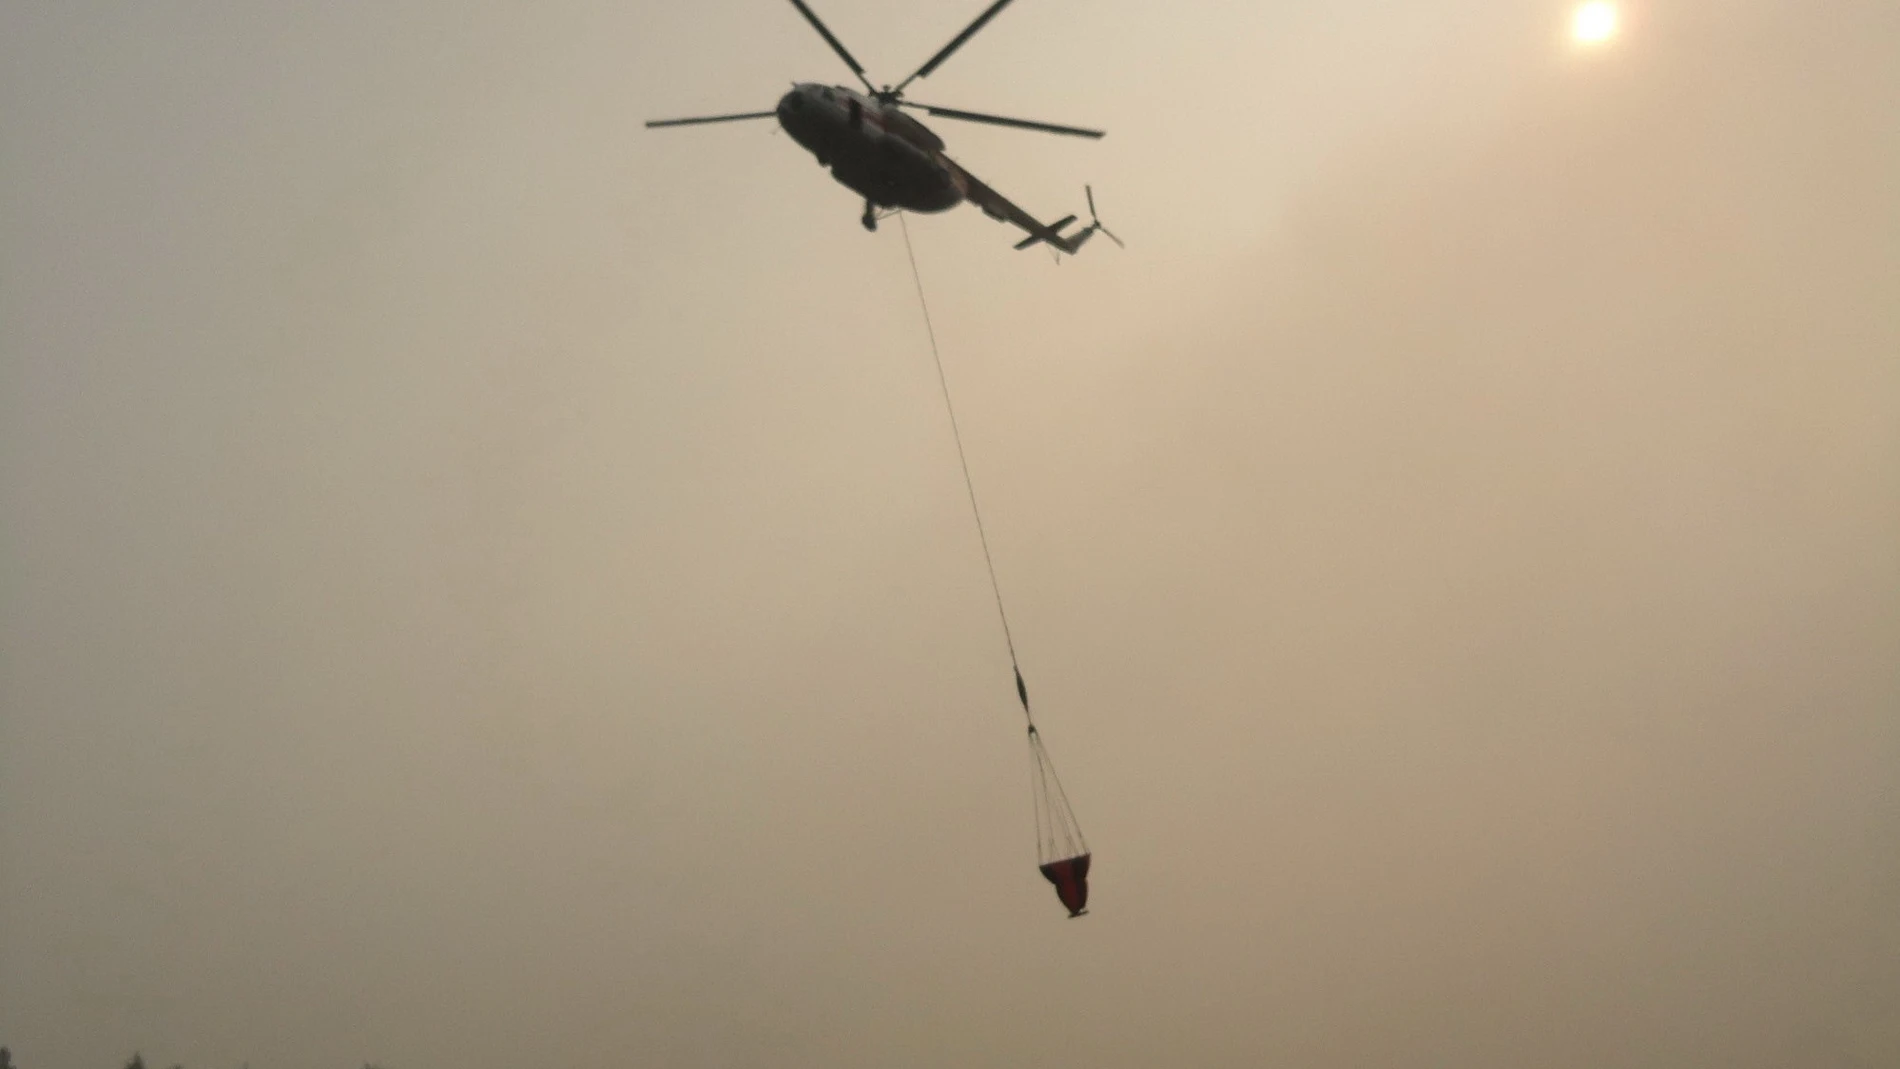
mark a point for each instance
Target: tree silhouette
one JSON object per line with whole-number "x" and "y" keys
{"x": 6, "y": 1058}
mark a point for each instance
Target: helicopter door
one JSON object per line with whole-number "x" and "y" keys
{"x": 857, "y": 113}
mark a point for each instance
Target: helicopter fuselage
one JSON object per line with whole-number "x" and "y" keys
{"x": 873, "y": 148}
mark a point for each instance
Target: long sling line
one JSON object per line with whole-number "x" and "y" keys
{"x": 969, "y": 484}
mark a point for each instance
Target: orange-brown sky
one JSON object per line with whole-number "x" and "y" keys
{"x": 484, "y": 583}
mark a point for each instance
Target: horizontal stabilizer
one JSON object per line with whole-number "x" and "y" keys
{"x": 1055, "y": 227}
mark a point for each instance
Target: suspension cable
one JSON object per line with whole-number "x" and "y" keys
{"x": 969, "y": 484}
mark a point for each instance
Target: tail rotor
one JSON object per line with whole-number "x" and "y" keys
{"x": 1095, "y": 221}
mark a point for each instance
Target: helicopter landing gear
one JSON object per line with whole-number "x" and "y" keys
{"x": 870, "y": 216}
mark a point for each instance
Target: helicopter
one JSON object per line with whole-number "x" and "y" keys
{"x": 877, "y": 150}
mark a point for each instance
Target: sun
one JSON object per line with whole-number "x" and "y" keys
{"x": 1594, "y": 23}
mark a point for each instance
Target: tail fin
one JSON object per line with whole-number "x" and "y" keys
{"x": 1075, "y": 241}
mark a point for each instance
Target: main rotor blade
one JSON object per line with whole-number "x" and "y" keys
{"x": 998, "y": 120}
{"x": 836, "y": 45}
{"x": 711, "y": 118}
{"x": 955, "y": 43}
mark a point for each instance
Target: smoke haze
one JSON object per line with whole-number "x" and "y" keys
{"x": 483, "y": 582}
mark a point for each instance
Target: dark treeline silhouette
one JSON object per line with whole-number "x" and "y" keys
{"x": 137, "y": 1061}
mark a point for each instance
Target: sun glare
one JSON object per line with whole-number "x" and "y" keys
{"x": 1594, "y": 23}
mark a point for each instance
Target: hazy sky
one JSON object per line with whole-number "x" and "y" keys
{"x": 484, "y": 583}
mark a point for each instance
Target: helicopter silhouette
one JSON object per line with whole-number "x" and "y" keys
{"x": 892, "y": 160}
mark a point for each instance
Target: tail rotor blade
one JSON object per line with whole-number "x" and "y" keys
{"x": 1095, "y": 222}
